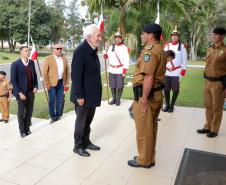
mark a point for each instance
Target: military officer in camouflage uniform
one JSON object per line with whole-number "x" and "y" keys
{"x": 148, "y": 98}
{"x": 215, "y": 83}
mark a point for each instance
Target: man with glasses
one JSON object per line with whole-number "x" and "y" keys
{"x": 56, "y": 78}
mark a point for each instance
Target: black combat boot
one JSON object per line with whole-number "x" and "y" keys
{"x": 174, "y": 98}
{"x": 113, "y": 92}
{"x": 167, "y": 101}
{"x": 119, "y": 94}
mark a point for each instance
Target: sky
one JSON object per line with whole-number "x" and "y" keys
{"x": 82, "y": 10}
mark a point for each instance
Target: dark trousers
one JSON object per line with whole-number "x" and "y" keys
{"x": 56, "y": 100}
{"x": 25, "y": 110}
{"x": 82, "y": 125}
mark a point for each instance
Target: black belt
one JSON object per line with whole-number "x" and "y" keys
{"x": 138, "y": 91}
{"x": 216, "y": 79}
{"x": 213, "y": 79}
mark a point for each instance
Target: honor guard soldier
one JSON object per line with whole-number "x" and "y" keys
{"x": 215, "y": 83}
{"x": 148, "y": 83}
{"x": 118, "y": 56}
{"x": 5, "y": 96}
{"x": 174, "y": 70}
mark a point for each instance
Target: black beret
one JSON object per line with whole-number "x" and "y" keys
{"x": 152, "y": 28}
{"x": 219, "y": 30}
{"x": 3, "y": 73}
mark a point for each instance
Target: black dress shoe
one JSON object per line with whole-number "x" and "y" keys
{"x": 1, "y": 120}
{"x": 28, "y": 132}
{"x": 23, "y": 135}
{"x": 133, "y": 163}
{"x": 131, "y": 113}
{"x": 112, "y": 102}
{"x": 52, "y": 120}
{"x": 212, "y": 134}
{"x": 82, "y": 152}
{"x": 6, "y": 121}
{"x": 92, "y": 147}
{"x": 165, "y": 109}
{"x": 135, "y": 157}
{"x": 57, "y": 118}
{"x": 203, "y": 131}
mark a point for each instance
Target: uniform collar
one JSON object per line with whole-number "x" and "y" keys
{"x": 175, "y": 43}
{"x": 218, "y": 46}
{"x": 119, "y": 44}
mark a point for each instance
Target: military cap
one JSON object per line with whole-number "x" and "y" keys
{"x": 117, "y": 34}
{"x": 152, "y": 28}
{"x": 3, "y": 73}
{"x": 219, "y": 30}
{"x": 175, "y": 31}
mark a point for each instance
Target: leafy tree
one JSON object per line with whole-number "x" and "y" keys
{"x": 46, "y": 22}
{"x": 59, "y": 5}
{"x": 74, "y": 23}
{"x": 132, "y": 15}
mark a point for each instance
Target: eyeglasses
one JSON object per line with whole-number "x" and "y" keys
{"x": 58, "y": 48}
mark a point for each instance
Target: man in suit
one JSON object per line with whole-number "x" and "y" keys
{"x": 56, "y": 78}
{"x": 86, "y": 88}
{"x": 25, "y": 84}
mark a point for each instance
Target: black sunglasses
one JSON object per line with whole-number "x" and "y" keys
{"x": 58, "y": 48}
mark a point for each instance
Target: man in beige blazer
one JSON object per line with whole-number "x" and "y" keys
{"x": 56, "y": 78}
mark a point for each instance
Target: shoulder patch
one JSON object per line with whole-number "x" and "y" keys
{"x": 147, "y": 57}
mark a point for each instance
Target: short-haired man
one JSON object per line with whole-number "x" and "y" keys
{"x": 86, "y": 88}
{"x": 56, "y": 78}
{"x": 215, "y": 83}
{"x": 148, "y": 82}
{"x": 25, "y": 84}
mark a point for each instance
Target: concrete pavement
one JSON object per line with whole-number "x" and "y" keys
{"x": 45, "y": 157}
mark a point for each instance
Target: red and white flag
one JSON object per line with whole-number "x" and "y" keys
{"x": 34, "y": 53}
{"x": 157, "y": 21}
{"x": 101, "y": 21}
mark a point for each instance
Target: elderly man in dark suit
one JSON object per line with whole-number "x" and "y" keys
{"x": 25, "y": 84}
{"x": 86, "y": 88}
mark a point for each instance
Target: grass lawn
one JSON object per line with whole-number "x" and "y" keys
{"x": 191, "y": 93}
{"x": 198, "y": 63}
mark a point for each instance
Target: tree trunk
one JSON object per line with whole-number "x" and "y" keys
{"x": 2, "y": 42}
{"x": 12, "y": 45}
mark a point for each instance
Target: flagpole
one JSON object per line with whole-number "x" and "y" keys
{"x": 105, "y": 61}
{"x": 40, "y": 72}
{"x": 29, "y": 25}
{"x": 39, "y": 68}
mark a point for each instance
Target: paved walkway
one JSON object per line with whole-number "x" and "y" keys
{"x": 46, "y": 158}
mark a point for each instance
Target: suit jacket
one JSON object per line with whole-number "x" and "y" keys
{"x": 50, "y": 71}
{"x": 19, "y": 79}
{"x": 85, "y": 76}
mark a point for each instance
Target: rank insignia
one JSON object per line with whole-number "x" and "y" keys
{"x": 147, "y": 57}
{"x": 221, "y": 53}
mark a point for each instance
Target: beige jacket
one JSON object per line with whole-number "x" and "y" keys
{"x": 50, "y": 71}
